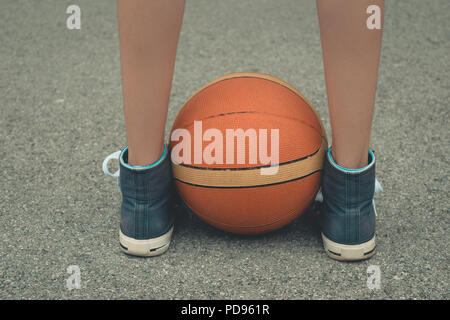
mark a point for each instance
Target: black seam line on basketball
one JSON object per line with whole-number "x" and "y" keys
{"x": 251, "y": 168}
{"x": 229, "y": 113}
{"x": 280, "y": 82}
{"x": 255, "y": 112}
{"x": 245, "y": 187}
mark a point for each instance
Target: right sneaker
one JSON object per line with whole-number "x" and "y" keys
{"x": 347, "y": 215}
{"x": 146, "y": 223}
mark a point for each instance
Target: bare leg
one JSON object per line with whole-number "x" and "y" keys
{"x": 351, "y": 54}
{"x": 148, "y": 32}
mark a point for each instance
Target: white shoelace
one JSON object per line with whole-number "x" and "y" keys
{"x": 113, "y": 156}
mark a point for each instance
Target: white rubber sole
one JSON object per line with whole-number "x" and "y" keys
{"x": 145, "y": 248}
{"x": 344, "y": 252}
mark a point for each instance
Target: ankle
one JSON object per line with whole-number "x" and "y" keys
{"x": 140, "y": 164}
{"x": 350, "y": 161}
{"x": 144, "y": 159}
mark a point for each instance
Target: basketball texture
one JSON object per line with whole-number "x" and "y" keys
{"x": 236, "y": 196}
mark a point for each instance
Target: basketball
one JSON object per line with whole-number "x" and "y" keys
{"x": 247, "y": 151}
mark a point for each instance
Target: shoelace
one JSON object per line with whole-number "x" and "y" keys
{"x": 113, "y": 156}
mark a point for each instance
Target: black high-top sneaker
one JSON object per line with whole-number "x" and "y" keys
{"x": 146, "y": 223}
{"x": 347, "y": 215}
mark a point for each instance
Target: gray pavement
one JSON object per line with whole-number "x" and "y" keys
{"x": 61, "y": 114}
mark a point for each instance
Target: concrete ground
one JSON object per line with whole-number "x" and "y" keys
{"x": 61, "y": 114}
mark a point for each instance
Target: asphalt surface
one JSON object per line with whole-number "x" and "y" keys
{"x": 61, "y": 114}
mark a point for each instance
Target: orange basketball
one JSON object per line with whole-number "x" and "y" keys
{"x": 247, "y": 151}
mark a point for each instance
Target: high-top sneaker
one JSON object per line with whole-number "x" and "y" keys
{"x": 347, "y": 215}
{"x": 146, "y": 223}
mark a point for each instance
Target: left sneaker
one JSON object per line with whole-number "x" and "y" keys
{"x": 347, "y": 215}
{"x": 146, "y": 221}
